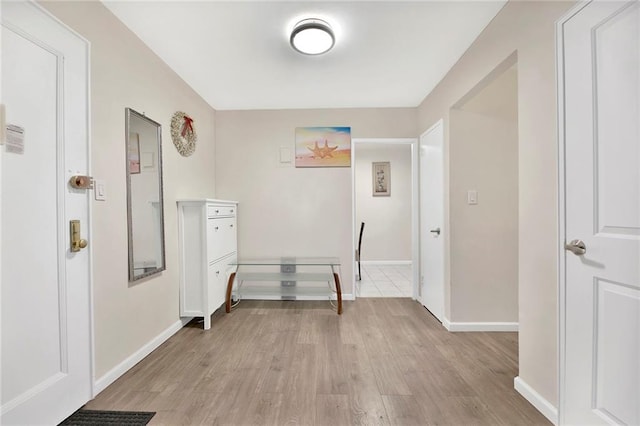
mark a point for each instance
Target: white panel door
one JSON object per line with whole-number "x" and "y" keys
{"x": 432, "y": 220}
{"x": 600, "y": 299}
{"x": 46, "y": 339}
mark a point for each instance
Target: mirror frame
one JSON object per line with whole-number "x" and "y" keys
{"x": 128, "y": 114}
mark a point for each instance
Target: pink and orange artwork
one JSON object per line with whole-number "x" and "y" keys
{"x": 323, "y": 146}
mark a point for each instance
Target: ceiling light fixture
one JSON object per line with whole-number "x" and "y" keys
{"x": 312, "y": 37}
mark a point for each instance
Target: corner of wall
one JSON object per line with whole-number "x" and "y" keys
{"x": 545, "y": 407}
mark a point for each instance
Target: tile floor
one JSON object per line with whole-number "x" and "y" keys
{"x": 385, "y": 281}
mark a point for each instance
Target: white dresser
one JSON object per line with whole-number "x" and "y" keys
{"x": 208, "y": 243}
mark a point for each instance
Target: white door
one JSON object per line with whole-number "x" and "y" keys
{"x": 600, "y": 289}
{"x": 46, "y": 334}
{"x": 432, "y": 220}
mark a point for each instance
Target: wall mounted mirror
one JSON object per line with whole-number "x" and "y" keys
{"x": 144, "y": 196}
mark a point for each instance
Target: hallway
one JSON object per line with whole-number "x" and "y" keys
{"x": 384, "y": 361}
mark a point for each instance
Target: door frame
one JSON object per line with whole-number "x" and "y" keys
{"x": 445, "y": 228}
{"x": 415, "y": 224}
{"x": 561, "y": 253}
{"x": 39, "y": 9}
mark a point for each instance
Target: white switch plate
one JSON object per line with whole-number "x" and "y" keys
{"x": 100, "y": 190}
{"x": 285, "y": 154}
{"x": 472, "y": 197}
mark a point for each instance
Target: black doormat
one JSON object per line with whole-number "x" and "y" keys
{"x": 107, "y": 418}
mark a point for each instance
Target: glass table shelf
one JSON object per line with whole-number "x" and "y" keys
{"x": 298, "y": 261}
{"x": 286, "y": 278}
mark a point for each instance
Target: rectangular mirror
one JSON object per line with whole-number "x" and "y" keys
{"x": 144, "y": 196}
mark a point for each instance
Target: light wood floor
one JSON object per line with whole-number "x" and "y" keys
{"x": 384, "y": 361}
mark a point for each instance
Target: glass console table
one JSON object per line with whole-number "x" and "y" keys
{"x": 297, "y": 278}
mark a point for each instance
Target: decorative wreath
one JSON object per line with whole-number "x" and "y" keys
{"x": 183, "y": 134}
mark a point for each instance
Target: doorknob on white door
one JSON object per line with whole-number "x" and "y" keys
{"x": 435, "y": 231}
{"x": 576, "y": 247}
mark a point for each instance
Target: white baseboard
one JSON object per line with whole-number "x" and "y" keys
{"x": 545, "y": 407}
{"x": 101, "y": 384}
{"x": 385, "y": 262}
{"x": 480, "y": 326}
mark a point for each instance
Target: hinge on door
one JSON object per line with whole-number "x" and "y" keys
{"x": 81, "y": 182}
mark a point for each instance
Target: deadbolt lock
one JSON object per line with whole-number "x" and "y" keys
{"x": 81, "y": 182}
{"x": 77, "y": 243}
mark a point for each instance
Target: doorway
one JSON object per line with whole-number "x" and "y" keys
{"x": 384, "y": 182}
{"x": 483, "y": 205}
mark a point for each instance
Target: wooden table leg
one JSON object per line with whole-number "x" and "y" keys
{"x": 338, "y": 292}
{"x": 229, "y": 288}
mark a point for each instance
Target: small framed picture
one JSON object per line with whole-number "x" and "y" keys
{"x": 381, "y": 179}
{"x": 133, "y": 153}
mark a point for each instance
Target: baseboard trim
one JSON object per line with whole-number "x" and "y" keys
{"x": 480, "y": 326}
{"x": 446, "y": 323}
{"x": 545, "y": 407}
{"x": 385, "y": 262}
{"x": 101, "y": 384}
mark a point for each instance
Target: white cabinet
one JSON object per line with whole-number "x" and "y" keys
{"x": 208, "y": 243}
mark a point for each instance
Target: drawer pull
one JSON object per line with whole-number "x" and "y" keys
{"x": 231, "y": 226}
{"x": 231, "y": 210}
{"x": 216, "y": 228}
{"x": 217, "y": 211}
{"x": 217, "y": 272}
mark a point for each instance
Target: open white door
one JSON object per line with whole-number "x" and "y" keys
{"x": 432, "y": 220}
{"x": 599, "y": 116}
{"x": 46, "y": 329}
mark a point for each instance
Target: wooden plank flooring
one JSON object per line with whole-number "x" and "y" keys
{"x": 382, "y": 362}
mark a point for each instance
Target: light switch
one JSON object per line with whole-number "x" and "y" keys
{"x": 472, "y": 197}
{"x": 100, "y": 190}
{"x": 285, "y": 154}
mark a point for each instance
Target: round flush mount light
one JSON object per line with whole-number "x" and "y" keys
{"x": 312, "y": 37}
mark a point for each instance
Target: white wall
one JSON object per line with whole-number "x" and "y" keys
{"x": 125, "y": 73}
{"x": 484, "y": 237}
{"x": 387, "y": 230}
{"x": 284, "y": 210}
{"x": 525, "y": 27}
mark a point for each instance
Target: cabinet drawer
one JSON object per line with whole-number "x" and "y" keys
{"x": 221, "y": 237}
{"x": 220, "y": 211}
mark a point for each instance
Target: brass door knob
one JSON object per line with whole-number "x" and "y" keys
{"x": 82, "y": 243}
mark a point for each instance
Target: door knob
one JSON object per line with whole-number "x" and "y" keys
{"x": 436, "y": 231}
{"x": 576, "y": 247}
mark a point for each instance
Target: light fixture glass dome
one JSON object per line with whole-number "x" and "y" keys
{"x": 312, "y": 37}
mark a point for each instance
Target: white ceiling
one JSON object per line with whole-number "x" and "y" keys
{"x": 236, "y": 54}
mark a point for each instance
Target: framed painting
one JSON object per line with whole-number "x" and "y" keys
{"x": 133, "y": 153}
{"x": 381, "y": 179}
{"x": 323, "y": 147}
